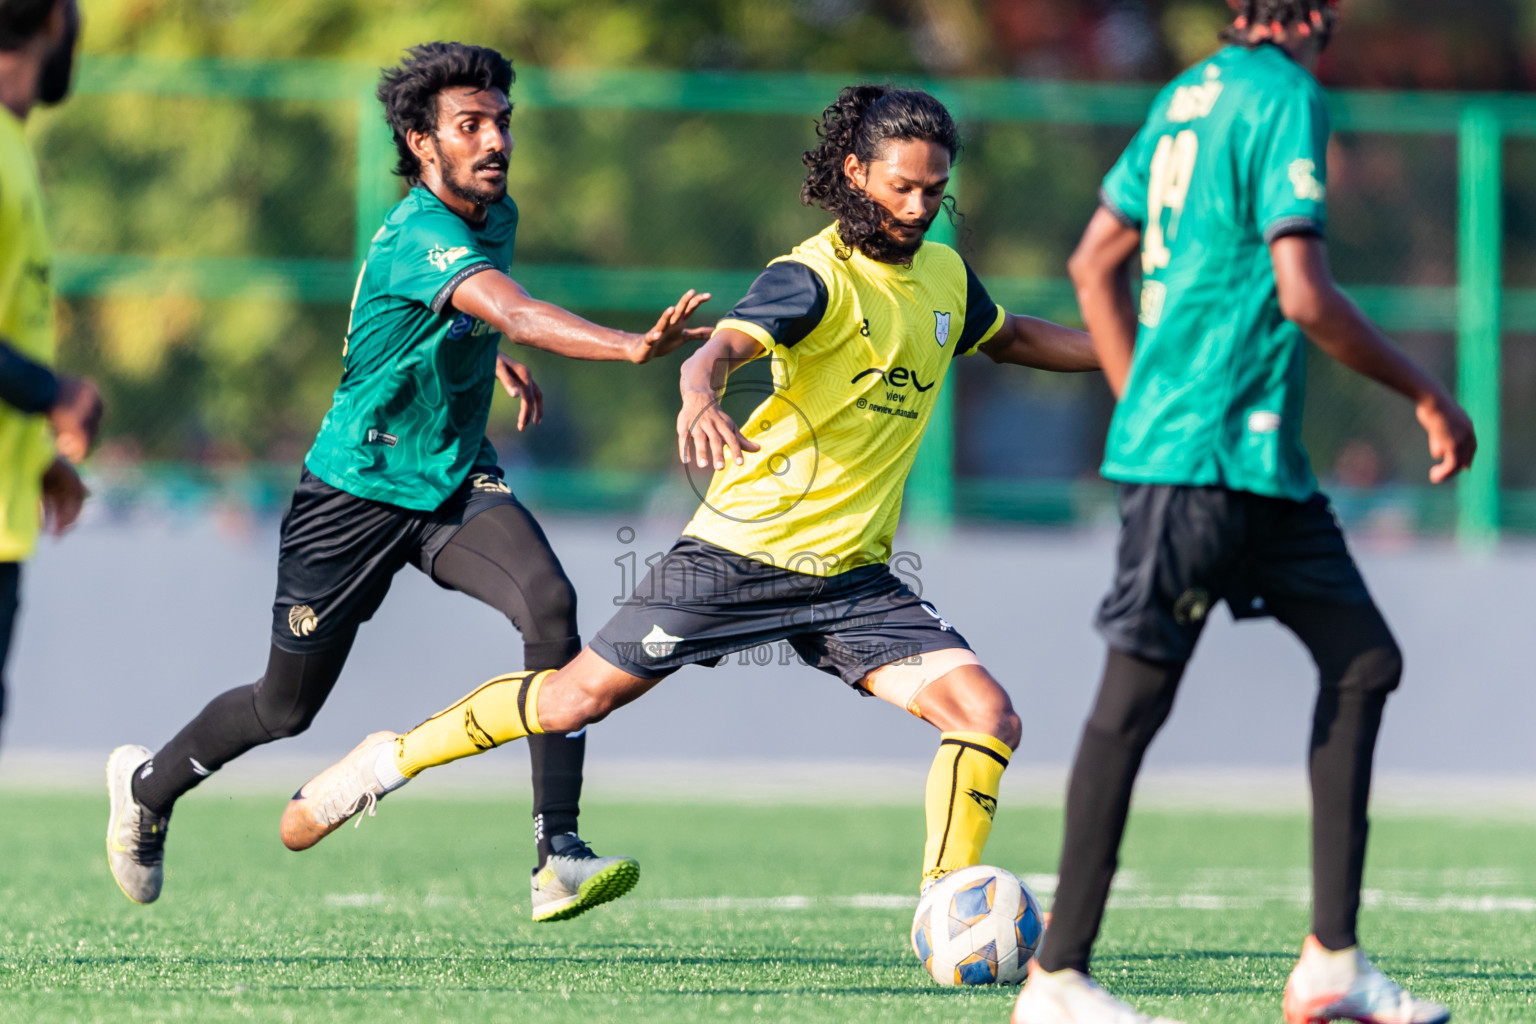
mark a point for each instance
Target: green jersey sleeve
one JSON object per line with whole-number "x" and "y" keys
{"x": 1292, "y": 167}
{"x": 1124, "y": 191}
{"x": 431, "y": 259}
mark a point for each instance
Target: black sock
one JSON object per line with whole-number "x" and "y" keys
{"x": 557, "y": 767}
{"x": 1134, "y": 699}
{"x": 222, "y": 731}
{"x": 282, "y": 703}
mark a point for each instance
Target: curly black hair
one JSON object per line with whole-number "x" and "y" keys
{"x": 1263, "y": 21}
{"x": 409, "y": 92}
{"x": 21, "y": 20}
{"x": 860, "y": 122}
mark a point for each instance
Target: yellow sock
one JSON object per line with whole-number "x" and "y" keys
{"x": 961, "y": 799}
{"x": 504, "y": 709}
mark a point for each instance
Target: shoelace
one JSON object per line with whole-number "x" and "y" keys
{"x": 577, "y": 850}
{"x": 149, "y": 840}
{"x": 333, "y": 811}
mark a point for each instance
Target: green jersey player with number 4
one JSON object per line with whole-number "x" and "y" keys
{"x": 1223, "y": 196}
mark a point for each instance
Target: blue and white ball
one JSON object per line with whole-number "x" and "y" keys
{"x": 977, "y": 926}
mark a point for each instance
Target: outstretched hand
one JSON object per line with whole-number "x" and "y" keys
{"x": 706, "y": 434}
{"x": 671, "y": 329}
{"x": 63, "y": 497}
{"x": 517, "y": 381}
{"x": 1452, "y": 441}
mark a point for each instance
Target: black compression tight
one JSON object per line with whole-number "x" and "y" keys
{"x": 1358, "y": 665}
{"x": 500, "y": 557}
{"x": 489, "y": 560}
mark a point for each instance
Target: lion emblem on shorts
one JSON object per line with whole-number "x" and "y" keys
{"x": 302, "y": 620}
{"x": 1192, "y": 606}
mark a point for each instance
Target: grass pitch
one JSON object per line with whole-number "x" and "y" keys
{"x": 771, "y": 913}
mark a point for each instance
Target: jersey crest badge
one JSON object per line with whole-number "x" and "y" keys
{"x": 441, "y": 257}
{"x": 940, "y": 328}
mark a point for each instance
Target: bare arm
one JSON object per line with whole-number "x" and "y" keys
{"x": 504, "y": 304}
{"x": 1310, "y": 299}
{"x": 1030, "y": 341}
{"x": 1100, "y": 271}
{"x": 704, "y": 431}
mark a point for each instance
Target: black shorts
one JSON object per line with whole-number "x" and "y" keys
{"x": 1182, "y": 549}
{"x": 701, "y": 603}
{"x": 338, "y": 553}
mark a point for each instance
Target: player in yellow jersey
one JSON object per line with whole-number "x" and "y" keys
{"x": 861, "y": 323}
{"x": 43, "y": 415}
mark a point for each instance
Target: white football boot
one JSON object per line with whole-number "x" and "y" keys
{"x": 135, "y": 834}
{"x": 1071, "y": 997}
{"x": 573, "y": 879}
{"x": 1343, "y": 985}
{"x": 326, "y": 801}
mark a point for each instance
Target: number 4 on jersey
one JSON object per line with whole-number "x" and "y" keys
{"x": 1173, "y": 162}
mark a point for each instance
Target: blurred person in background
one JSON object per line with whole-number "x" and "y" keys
{"x": 1222, "y": 195}
{"x": 46, "y": 419}
{"x": 401, "y": 473}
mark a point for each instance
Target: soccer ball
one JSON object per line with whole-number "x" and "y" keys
{"x": 977, "y": 926}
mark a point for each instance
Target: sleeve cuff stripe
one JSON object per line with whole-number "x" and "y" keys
{"x": 990, "y": 332}
{"x": 749, "y": 328}
{"x": 1115, "y": 211}
{"x": 445, "y": 293}
{"x": 1298, "y": 225}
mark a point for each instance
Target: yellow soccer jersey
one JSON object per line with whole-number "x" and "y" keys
{"x": 859, "y": 351}
{"x": 26, "y": 321}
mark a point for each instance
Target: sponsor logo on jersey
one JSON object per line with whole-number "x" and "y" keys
{"x": 302, "y": 620}
{"x": 441, "y": 257}
{"x": 380, "y": 437}
{"x": 1303, "y": 174}
{"x": 489, "y": 483}
{"x": 658, "y": 643}
{"x": 987, "y": 803}
{"x": 462, "y": 324}
{"x": 1262, "y": 421}
{"x": 940, "y": 327}
{"x": 1192, "y": 102}
{"x": 896, "y": 377}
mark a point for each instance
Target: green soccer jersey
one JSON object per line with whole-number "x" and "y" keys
{"x": 407, "y": 423}
{"x": 1231, "y": 158}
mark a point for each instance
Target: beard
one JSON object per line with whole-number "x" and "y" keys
{"x": 884, "y": 246}
{"x": 459, "y": 177}
{"x": 58, "y": 69}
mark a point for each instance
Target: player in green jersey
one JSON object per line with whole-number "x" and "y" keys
{"x": 401, "y": 472}
{"x": 1223, "y": 195}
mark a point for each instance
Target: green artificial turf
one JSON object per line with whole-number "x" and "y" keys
{"x": 422, "y": 915}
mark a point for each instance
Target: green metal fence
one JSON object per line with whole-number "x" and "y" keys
{"x": 1477, "y": 309}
